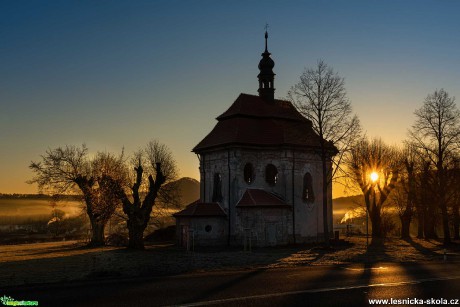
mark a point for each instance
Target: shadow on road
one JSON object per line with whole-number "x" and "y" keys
{"x": 226, "y": 286}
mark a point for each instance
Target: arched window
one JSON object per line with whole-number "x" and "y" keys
{"x": 248, "y": 173}
{"x": 308, "y": 195}
{"x": 271, "y": 174}
{"x": 217, "y": 188}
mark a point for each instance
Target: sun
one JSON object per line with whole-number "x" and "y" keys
{"x": 374, "y": 176}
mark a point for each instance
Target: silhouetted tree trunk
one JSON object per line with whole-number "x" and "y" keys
{"x": 456, "y": 221}
{"x": 420, "y": 209}
{"x": 160, "y": 161}
{"x": 405, "y": 227}
{"x": 325, "y": 158}
{"x": 430, "y": 215}
{"x": 404, "y": 194}
{"x": 97, "y": 233}
{"x": 427, "y": 203}
{"x": 454, "y": 188}
{"x": 400, "y": 197}
{"x": 442, "y": 201}
{"x": 139, "y": 212}
{"x": 375, "y": 215}
{"x": 430, "y": 223}
{"x": 97, "y": 229}
{"x": 406, "y": 217}
{"x": 420, "y": 222}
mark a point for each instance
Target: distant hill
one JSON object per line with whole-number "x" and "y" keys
{"x": 40, "y": 197}
{"x": 348, "y": 201}
{"x": 342, "y": 205}
{"x": 189, "y": 190}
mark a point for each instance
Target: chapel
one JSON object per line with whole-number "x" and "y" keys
{"x": 260, "y": 175}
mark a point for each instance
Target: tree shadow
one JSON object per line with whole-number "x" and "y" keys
{"x": 374, "y": 252}
{"x": 61, "y": 249}
{"x": 422, "y": 249}
{"x": 79, "y": 263}
{"x": 209, "y": 293}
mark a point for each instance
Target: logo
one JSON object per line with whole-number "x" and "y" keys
{"x": 9, "y": 301}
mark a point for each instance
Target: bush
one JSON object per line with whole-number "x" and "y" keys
{"x": 117, "y": 239}
{"x": 162, "y": 234}
{"x": 388, "y": 225}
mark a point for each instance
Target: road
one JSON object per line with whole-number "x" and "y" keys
{"x": 340, "y": 285}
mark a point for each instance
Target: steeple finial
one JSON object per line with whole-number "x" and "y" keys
{"x": 266, "y": 76}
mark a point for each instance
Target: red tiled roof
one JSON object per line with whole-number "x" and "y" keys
{"x": 260, "y": 198}
{"x": 252, "y": 121}
{"x": 198, "y": 208}
{"x": 259, "y": 131}
{"x": 255, "y": 106}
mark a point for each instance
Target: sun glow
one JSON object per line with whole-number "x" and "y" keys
{"x": 374, "y": 176}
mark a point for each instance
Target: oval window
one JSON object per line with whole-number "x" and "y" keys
{"x": 217, "y": 188}
{"x": 248, "y": 173}
{"x": 271, "y": 174}
{"x": 208, "y": 228}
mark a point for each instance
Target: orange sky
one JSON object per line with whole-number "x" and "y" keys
{"x": 116, "y": 74}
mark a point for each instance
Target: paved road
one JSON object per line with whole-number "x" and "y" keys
{"x": 301, "y": 286}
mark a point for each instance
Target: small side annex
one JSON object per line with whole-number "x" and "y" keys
{"x": 202, "y": 224}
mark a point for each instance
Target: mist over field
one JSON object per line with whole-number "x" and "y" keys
{"x": 21, "y": 208}
{"x": 17, "y": 210}
{"x": 24, "y": 209}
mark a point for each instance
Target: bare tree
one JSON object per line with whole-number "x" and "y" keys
{"x": 69, "y": 169}
{"x": 156, "y": 161}
{"x": 320, "y": 96}
{"x": 426, "y": 202}
{"x": 456, "y": 204}
{"x": 369, "y": 157}
{"x": 436, "y": 132}
{"x": 403, "y": 195}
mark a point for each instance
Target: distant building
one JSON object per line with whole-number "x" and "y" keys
{"x": 260, "y": 175}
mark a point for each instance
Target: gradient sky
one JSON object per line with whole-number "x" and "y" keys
{"x": 116, "y": 74}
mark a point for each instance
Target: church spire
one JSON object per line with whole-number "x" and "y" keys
{"x": 266, "y": 76}
{"x": 266, "y": 38}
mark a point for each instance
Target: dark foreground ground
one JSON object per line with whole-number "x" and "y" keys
{"x": 30, "y": 264}
{"x": 348, "y": 274}
{"x": 429, "y": 283}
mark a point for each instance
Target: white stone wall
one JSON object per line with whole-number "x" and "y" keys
{"x": 230, "y": 164}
